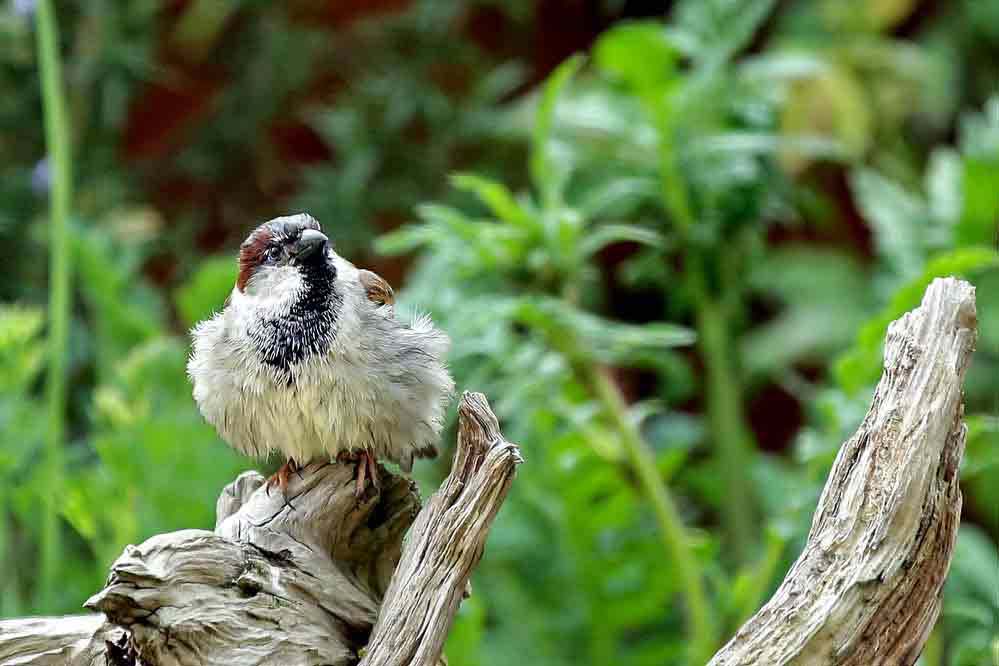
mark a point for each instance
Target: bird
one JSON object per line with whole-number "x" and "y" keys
{"x": 308, "y": 357}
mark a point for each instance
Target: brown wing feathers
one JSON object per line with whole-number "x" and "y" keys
{"x": 378, "y": 290}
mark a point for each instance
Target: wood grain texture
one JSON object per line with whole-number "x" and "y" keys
{"x": 445, "y": 544}
{"x": 294, "y": 580}
{"x": 866, "y": 588}
{"x": 74, "y": 640}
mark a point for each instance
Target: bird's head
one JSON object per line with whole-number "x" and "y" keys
{"x": 288, "y": 298}
{"x": 284, "y": 254}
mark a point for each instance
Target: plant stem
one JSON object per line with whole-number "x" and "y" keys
{"x": 762, "y": 572}
{"x": 725, "y": 420}
{"x": 703, "y": 632}
{"x": 724, "y": 397}
{"x": 60, "y": 195}
{"x": 9, "y": 602}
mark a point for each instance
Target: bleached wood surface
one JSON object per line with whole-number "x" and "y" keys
{"x": 276, "y": 586}
{"x": 445, "y": 544}
{"x": 866, "y": 589}
{"x": 74, "y": 640}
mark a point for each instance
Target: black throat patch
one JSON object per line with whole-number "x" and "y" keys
{"x": 309, "y": 328}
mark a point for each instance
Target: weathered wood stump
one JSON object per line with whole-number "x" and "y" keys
{"x": 866, "y": 588}
{"x": 298, "y": 580}
{"x": 333, "y": 581}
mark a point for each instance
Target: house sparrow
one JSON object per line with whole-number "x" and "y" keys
{"x": 308, "y": 358}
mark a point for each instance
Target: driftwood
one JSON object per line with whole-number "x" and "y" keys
{"x": 333, "y": 581}
{"x": 866, "y": 589}
{"x": 293, "y": 583}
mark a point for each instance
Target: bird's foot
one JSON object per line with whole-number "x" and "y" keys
{"x": 280, "y": 479}
{"x": 367, "y": 467}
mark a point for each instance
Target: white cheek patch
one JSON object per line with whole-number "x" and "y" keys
{"x": 272, "y": 290}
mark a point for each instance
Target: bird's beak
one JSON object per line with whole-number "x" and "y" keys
{"x": 310, "y": 242}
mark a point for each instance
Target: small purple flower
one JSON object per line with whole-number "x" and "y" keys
{"x": 23, "y": 8}
{"x": 41, "y": 177}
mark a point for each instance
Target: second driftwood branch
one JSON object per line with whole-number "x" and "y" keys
{"x": 867, "y": 588}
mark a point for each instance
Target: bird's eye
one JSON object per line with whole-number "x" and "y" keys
{"x": 273, "y": 253}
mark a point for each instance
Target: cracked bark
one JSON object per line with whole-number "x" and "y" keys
{"x": 314, "y": 585}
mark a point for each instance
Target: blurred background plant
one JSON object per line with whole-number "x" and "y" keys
{"x": 670, "y": 264}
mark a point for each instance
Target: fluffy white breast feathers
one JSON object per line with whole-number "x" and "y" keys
{"x": 308, "y": 358}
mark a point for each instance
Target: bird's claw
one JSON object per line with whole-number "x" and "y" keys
{"x": 280, "y": 479}
{"x": 366, "y": 467}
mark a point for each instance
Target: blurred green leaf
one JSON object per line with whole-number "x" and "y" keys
{"x": 747, "y": 590}
{"x": 830, "y": 109}
{"x": 639, "y": 54}
{"x": 465, "y": 638}
{"x": 815, "y": 322}
{"x": 778, "y": 65}
{"x": 207, "y": 290}
{"x": 617, "y": 197}
{"x": 406, "y": 239}
{"x": 971, "y": 602}
{"x": 496, "y": 197}
{"x": 601, "y": 339}
{"x": 861, "y": 365}
{"x": 546, "y": 174}
{"x": 729, "y": 143}
{"x": 943, "y": 185}
{"x": 21, "y": 353}
{"x": 899, "y": 219}
{"x": 125, "y": 311}
{"x": 979, "y": 222}
{"x": 607, "y": 234}
{"x": 982, "y": 447}
{"x": 712, "y": 31}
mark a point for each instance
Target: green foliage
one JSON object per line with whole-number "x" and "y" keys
{"x": 406, "y": 119}
{"x": 921, "y": 237}
{"x": 22, "y": 355}
{"x": 161, "y": 465}
{"x": 813, "y": 322}
{"x": 636, "y": 153}
{"x": 125, "y": 311}
{"x": 543, "y": 250}
{"x": 979, "y": 177}
{"x": 201, "y": 296}
{"x": 149, "y": 463}
{"x": 971, "y": 607}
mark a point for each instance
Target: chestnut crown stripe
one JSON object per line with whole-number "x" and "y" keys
{"x": 251, "y": 254}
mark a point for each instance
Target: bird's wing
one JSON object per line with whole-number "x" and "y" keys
{"x": 378, "y": 290}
